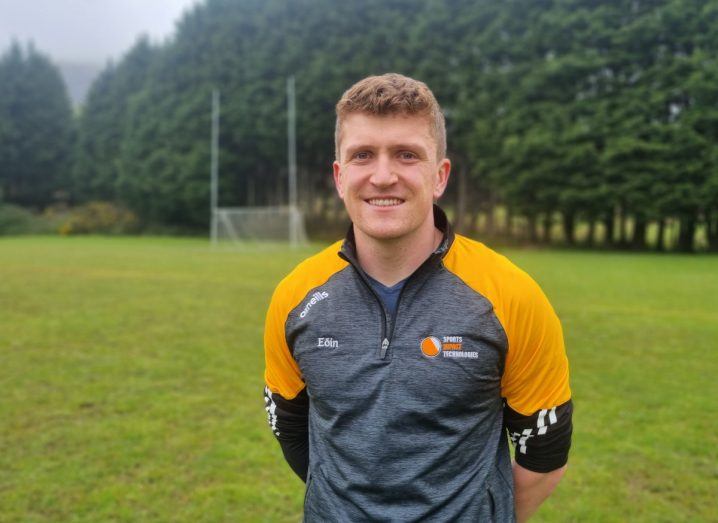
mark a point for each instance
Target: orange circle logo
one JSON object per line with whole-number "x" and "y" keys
{"x": 431, "y": 347}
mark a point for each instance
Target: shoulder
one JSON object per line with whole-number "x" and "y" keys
{"x": 282, "y": 374}
{"x": 309, "y": 274}
{"x": 490, "y": 273}
{"x": 536, "y": 368}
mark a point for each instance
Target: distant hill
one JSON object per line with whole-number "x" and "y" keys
{"x": 79, "y": 77}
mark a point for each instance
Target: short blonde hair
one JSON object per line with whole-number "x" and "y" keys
{"x": 391, "y": 94}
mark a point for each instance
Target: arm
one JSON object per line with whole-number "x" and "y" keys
{"x": 532, "y": 488}
{"x": 542, "y": 443}
{"x": 538, "y": 409}
{"x": 285, "y": 393}
{"x": 288, "y": 421}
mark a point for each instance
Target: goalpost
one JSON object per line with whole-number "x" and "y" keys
{"x": 271, "y": 223}
{"x": 241, "y": 224}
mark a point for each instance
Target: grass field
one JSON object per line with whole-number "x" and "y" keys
{"x": 130, "y": 372}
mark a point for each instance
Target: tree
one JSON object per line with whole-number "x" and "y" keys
{"x": 104, "y": 123}
{"x": 36, "y": 128}
{"x": 570, "y": 108}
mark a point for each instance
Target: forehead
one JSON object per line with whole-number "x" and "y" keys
{"x": 360, "y": 129}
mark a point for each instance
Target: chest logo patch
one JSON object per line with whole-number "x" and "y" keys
{"x": 449, "y": 346}
{"x": 431, "y": 347}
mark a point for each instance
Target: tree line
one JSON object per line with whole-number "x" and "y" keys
{"x": 583, "y": 122}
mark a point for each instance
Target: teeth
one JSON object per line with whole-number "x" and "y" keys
{"x": 385, "y": 202}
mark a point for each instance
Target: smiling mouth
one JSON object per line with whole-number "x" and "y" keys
{"x": 384, "y": 202}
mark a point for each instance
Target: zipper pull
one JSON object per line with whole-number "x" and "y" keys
{"x": 384, "y": 348}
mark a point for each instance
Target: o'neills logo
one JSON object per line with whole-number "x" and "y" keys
{"x": 449, "y": 346}
{"x": 316, "y": 297}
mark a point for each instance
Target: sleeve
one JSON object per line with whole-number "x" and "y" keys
{"x": 285, "y": 397}
{"x": 288, "y": 421}
{"x": 535, "y": 384}
{"x": 281, "y": 372}
{"x": 542, "y": 440}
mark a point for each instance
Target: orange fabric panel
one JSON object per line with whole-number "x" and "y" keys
{"x": 282, "y": 374}
{"x": 536, "y": 371}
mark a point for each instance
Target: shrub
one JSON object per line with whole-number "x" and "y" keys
{"x": 99, "y": 217}
{"x": 18, "y": 220}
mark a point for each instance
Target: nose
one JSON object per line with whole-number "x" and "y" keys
{"x": 383, "y": 175}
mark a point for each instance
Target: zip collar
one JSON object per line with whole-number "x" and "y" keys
{"x": 348, "y": 253}
{"x": 441, "y": 222}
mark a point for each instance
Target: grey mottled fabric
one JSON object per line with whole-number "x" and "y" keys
{"x": 396, "y": 435}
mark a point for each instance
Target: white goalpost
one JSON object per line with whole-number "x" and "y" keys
{"x": 257, "y": 224}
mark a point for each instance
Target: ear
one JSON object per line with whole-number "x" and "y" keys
{"x": 338, "y": 179}
{"x": 442, "y": 178}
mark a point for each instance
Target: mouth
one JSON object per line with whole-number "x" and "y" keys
{"x": 384, "y": 202}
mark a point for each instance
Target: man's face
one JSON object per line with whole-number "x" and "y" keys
{"x": 388, "y": 174}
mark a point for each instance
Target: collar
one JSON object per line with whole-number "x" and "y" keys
{"x": 441, "y": 222}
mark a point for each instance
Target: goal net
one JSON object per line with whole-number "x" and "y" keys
{"x": 259, "y": 224}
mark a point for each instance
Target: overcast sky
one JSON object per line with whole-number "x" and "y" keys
{"x": 87, "y": 30}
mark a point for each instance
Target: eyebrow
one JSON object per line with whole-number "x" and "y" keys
{"x": 416, "y": 147}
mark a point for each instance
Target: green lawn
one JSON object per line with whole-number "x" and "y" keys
{"x": 130, "y": 372}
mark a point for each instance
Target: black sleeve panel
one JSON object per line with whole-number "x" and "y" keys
{"x": 542, "y": 440}
{"x": 288, "y": 420}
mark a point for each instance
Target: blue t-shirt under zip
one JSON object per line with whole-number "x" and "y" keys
{"x": 388, "y": 295}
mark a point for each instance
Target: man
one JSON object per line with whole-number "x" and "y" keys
{"x": 397, "y": 359}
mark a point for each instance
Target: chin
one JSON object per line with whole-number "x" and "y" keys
{"x": 384, "y": 231}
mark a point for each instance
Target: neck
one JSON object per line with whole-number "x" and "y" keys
{"x": 391, "y": 261}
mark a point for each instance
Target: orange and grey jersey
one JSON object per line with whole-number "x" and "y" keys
{"x": 405, "y": 418}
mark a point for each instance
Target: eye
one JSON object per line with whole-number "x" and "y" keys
{"x": 408, "y": 155}
{"x": 361, "y": 156}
